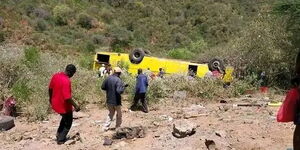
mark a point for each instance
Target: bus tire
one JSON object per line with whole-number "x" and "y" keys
{"x": 136, "y": 56}
{"x": 6, "y": 123}
{"x": 216, "y": 64}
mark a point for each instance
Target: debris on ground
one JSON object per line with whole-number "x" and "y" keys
{"x": 194, "y": 111}
{"x": 221, "y": 133}
{"x": 70, "y": 142}
{"x": 107, "y": 141}
{"x": 183, "y": 128}
{"x": 210, "y": 144}
{"x": 130, "y": 132}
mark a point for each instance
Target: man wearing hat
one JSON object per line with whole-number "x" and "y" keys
{"x": 114, "y": 87}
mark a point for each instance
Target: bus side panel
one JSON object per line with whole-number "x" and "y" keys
{"x": 176, "y": 67}
{"x": 202, "y": 70}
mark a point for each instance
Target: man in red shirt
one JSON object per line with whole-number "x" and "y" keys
{"x": 60, "y": 98}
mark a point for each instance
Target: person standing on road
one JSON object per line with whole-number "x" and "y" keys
{"x": 60, "y": 98}
{"x": 140, "y": 91}
{"x": 114, "y": 87}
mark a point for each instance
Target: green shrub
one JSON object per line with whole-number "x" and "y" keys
{"x": 2, "y": 37}
{"x": 181, "y": 53}
{"x": 21, "y": 90}
{"x": 86, "y": 61}
{"x": 61, "y": 14}
{"x": 32, "y": 56}
{"x": 85, "y": 21}
{"x": 123, "y": 64}
{"x": 89, "y": 47}
{"x": 99, "y": 39}
{"x": 41, "y": 25}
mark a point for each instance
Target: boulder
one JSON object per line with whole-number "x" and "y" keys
{"x": 183, "y": 128}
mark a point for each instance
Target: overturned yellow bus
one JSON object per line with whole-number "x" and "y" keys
{"x": 139, "y": 59}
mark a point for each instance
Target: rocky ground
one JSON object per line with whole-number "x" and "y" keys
{"x": 209, "y": 125}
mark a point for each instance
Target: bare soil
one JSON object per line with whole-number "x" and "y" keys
{"x": 229, "y": 127}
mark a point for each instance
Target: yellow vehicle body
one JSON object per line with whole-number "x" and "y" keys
{"x": 170, "y": 66}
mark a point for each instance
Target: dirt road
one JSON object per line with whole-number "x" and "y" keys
{"x": 229, "y": 127}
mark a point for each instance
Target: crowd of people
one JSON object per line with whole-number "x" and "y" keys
{"x": 60, "y": 96}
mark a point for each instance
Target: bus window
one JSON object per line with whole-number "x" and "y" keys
{"x": 192, "y": 70}
{"x": 103, "y": 58}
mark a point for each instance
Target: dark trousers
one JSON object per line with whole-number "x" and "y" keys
{"x": 64, "y": 126}
{"x": 142, "y": 97}
{"x": 296, "y": 139}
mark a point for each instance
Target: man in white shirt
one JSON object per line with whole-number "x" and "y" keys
{"x": 102, "y": 70}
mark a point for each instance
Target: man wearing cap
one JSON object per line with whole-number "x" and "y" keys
{"x": 114, "y": 87}
{"x": 60, "y": 98}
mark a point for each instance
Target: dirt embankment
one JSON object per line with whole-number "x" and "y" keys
{"x": 221, "y": 126}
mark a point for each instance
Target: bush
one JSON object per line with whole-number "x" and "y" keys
{"x": 32, "y": 56}
{"x": 86, "y": 61}
{"x": 21, "y": 90}
{"x": 41, "y": 25}
{"x": 99, "y": 39}
{"x": 2, "y": 37}
{"x": 123, "y": 64}
{"x": 41, "y": 13}
{"x": 61, "y": 14}
{"x": 89, "y": 47}
{"x": 85, "y": 21}
{"x": 181, "y": 53}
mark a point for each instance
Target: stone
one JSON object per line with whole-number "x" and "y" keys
{"x": 183, "y": 128}
{"x": 107, "y": 141}
{"x": 221, "y": 133}
{"x": 70, "y": 142}
{"x": 130, "y": 132}
{"x": 210, "y": 144}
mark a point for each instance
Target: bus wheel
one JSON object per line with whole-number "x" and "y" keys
{"x": 216, "y": 64}
{"x": 136, "y": 56}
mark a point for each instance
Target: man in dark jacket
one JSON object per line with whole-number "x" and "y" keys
{"x": 114, "y": 87}
{"x": 140, "y": 91}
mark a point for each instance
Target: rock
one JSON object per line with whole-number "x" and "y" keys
{"x": 221, "y": 133}
{"x": 76, "y": 137}
{"x": 248, "y": 122}
{"x": 183, "y": 128}
{"x": 224, "y": 108}
{"x": 223, "y": 101}
{"x": 210, "y": 144}
{"x": 130, "y": 132}
{"x": 70, "y": 142}
{"x": 107, "y": 141}
{"x": 217, "y": 143}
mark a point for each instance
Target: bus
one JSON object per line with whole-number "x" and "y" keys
{"x": 139, "y": 59}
